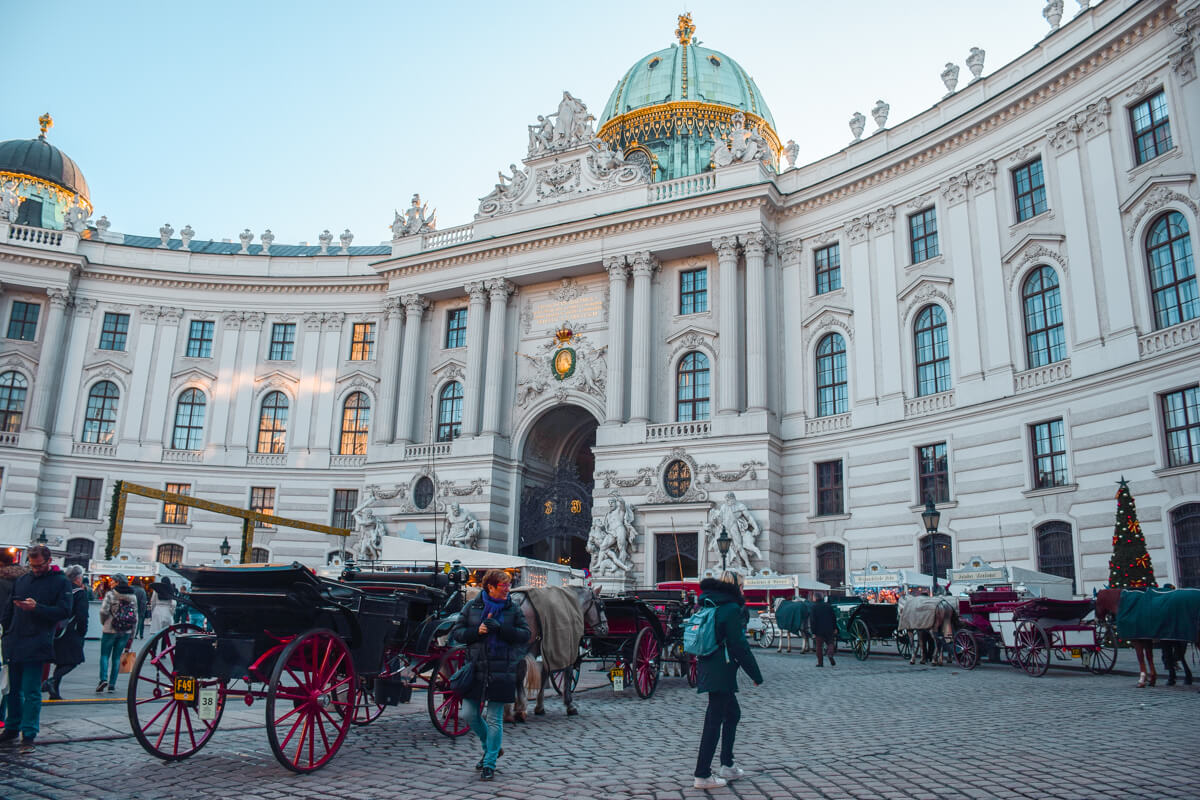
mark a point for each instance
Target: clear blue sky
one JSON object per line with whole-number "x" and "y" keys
{"x": 301, "y": 116}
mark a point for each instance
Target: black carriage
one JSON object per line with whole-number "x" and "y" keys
{"x": 632, "y": 648}
{"x": 860, "y": 623}
{"x": 672, "y": 608}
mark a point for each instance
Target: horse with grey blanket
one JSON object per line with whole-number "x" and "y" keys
{"x": 928, "y": 621}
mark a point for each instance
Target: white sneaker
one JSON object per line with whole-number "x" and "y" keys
{"x": 731, "y": 773}
{"x": 711, "y": 782}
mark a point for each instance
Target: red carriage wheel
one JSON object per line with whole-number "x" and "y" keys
{"x": 646, "y": 651}
{"x": 444, "y": 705}
{"x": 310, "y": 700}
{"x": 693, "y": 670}
{"x": 1103, "y": 658}
{"x": 966, "y": 649}
{"x": 1033, "y": 648}
{"x": 167, "y": 728}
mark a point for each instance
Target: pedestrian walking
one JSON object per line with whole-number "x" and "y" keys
{"x": 40, "y": 600}
{"x": 162, "y": 605}
{"x": 824, "y": 628}
{"x": 143, "y": 608}
{"x": 10, "y": 570}
{"x": 718, "y": 677}
{"x": 497, "y": 637}
{"x": 118, "y": 622}
{"x": 69, "y": 636}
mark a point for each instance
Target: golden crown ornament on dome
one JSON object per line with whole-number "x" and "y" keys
{"x": 686, "y": 30}
{"x": 45, "y": 122}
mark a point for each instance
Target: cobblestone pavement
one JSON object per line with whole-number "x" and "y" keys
{"x": 874, "y": 729}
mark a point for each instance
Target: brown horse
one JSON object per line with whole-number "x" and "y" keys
{"x": 1108, "y": 604}
{"x": 1144, "y": 617}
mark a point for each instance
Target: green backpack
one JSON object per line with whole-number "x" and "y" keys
{"x": 700, "y": 631}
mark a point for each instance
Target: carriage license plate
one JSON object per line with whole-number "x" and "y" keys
{"x": 206, "y": 706}
{"x": 1076, "y": 653}
{"x": 185, "y": 689}
{"x": 618, "y": 679}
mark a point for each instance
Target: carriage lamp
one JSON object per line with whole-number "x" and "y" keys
{"x": 931, "y": 518}
{"x": 723, "y": 542}
{"x": 224, "y": 548}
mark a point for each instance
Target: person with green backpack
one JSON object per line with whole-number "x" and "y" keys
{"x": 717, "y": 636}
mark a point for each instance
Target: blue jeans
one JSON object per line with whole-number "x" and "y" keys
{"x": 24, "y": 698}
{"x": 488, "y": 726}
{"x": 111, "y": 645}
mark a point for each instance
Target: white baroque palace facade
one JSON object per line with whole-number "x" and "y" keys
{"x": 992, "y": 304}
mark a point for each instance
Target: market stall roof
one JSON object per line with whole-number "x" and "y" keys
{"x": 133, "y": 568}
{"x": 876, "y": 576}
{"x": 977, "y": 572}
{"x": 16, "y": 528}
{"x": 409, "y": 551}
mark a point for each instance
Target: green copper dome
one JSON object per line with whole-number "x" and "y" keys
{"x": 674, "y": 106}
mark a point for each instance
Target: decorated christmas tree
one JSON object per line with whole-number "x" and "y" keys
{"x": 1129, "y": 567}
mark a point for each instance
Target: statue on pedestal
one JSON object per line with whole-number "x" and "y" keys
{"x": 733, "y": 516}
{"x": 370, "y": 542}
{"x": 462, "y": 528}
{"x": 602, "y": 547}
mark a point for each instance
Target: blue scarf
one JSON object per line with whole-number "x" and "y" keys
{"x": 492, "y": 608}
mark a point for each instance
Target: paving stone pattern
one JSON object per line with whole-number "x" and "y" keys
{"x": 875, "y": 729}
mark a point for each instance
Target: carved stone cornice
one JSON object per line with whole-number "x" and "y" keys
{"x": 618, "y": 272}
{"x": 725, "y": 247}
{"x": 414, "y": 305}
{"x": 499, "y": 289}
{"x": 137, "y": 277}
{"x": 790, "y": 251}
{"x": 476, "y": 291}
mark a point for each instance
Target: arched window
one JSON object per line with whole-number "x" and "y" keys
{"x": 79, "y": 551}
{"x": 356, "y": 416}
{"x": 169, "y": 554}
{"x": 13, "y": 388}
{"x": 272, "y": 423}
{"x": 940, "y": 554}
{"x": 692, "y": 388}
{"x": 450, "y": 404}
{"x": 1056, "y": 550}
{"x": 1172, "y": 273}
{"x": 189, "y": 421}
{"x": 101, "y": 418}
{"x": 831, "y": 565}
{"x": 931, "y": 344}
{"x": 260, "y": 555}
{"x": 1185, "y": 527}
{"x": 1044, "y": 339}
{"x": 831, "y": 376}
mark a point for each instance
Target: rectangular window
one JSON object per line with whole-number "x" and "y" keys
{"x": 693, "y": 291}
{"x": 1049, "y": 454}
{"x": 933, "y": 475}
{"x": 456, "y": 328}
{"x": 344, "y": 503}
{"x": 828, "y": 261}
{"x": 262, "y": 500}
{"x": 1029, "y": 190}
{"x": 829, "y": 488}
{"x": 1181, "y": 422}
{"x": 87, "y": 498}
{"x": 114, "y": 331}
{"x": 922, "y": 229}
{"x": 283, "y": 341}
{"x": 1151, "y": 127}
{"x": 362, "y": 341}
{"x": 22, "y": 323}
{"x": 174, "y": 513}
{"x": 200, "y": 339}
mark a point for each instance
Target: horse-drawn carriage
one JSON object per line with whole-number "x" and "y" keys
{"x": 672, "y": 608}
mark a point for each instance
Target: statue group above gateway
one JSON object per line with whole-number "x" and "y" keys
{"x": 572, "y": 127}
{"x": 415, "y": 220}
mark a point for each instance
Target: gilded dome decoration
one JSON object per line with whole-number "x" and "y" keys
{"x": 39, "y": 172}
{"x": 674, "y": 101}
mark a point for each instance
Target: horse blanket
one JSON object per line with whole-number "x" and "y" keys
{"x": 792, "y": 615}
{"x": 919, "y": 613}
{"x": 559, "y": 621}
{"x": 1172, "y": 615}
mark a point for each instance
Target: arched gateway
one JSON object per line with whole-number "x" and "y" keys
{"x": 556, "y": 486}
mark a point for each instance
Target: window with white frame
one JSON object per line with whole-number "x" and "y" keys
{"x": 1172, "y": 271}
{"x": 1045, "y": 342}
{"x": 100, "y": 418}
{"x": 1181, "y": 426}
{"x": 1048, "y": 444}
{"x": 931, "y": 349}
{"x": 188, "y": 433}
{"x": 832, "y": 395}
{"x": 1151, "y": 127}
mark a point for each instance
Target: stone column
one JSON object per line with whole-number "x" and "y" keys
{"x": 996, "y": 352}
{"x": 473, "y": 388}
{"x": 64, "y": 418}
{"x": 1064, "y": 142}
{"x": 226, "y": 391}
{"x": 728, "y": 360}
{"x": 324, "y": 383}
{"x": 791, "y": 255}
{"x": 955, "y": 238}
{"x": 614, "y": 399}
{"x": 414, "y": 308}
{"x": 861, "y": 351}
{"x": 754, "y": 245}
{"x": 139, "y": 382}
{"x": 497, "y": 356}
{"x": 389, "y": 362}
{"x": 48, "y": 379}
{"x": 643, "y": 267}
{"x": 308, "y": 346}
{"x": 243, "y": 413}
{"x": 160, "y": 381}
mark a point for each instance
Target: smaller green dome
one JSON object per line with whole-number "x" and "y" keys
{"x": 37, "y": 158}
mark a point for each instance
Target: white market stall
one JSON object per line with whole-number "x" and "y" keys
{"x": 16, "y": 532}
{"x": 403, "y": 552}
{"x": 136, "y": 569}
{"x": 886, "y": 585}
{"x": 978, "y": 573}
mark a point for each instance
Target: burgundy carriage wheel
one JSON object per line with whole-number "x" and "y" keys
{"x": 445, "y": 707}
{"x": 646, "y": 652}
{"x": 1103, "y": 658}
{"x": 966, "y": 649}
{"x": 310, "y": 700}
{"x": 1033, "y": 648}
{"x": 693, "y": 670}
{"x": 366, "y": 710}
{"x": 167, "y": 728}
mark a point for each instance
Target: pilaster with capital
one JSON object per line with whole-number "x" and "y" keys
{"x": 49, "y": 377}
{"x": 643, "y": 266}
{"x": 243, "y": 392}
{"x": 473, "y": 388}
{"x": 728, "y": 357}
{"x": 614, "y": 399}
{"x": 142, "y": 345}
{"x": 990, "y": 318}
{"x": 792, "y": 279}
{"x": 324, "y": 380}
{"x": 1064, "y": 141}
{"x": 414, "y": 309}
{"x": 498, "y": 289}
{"x": 1106, "y": 207}
{"x": 62, "y": 406}
{"x": 160, "y": 381}
{"x": 228, "y": 375}
{"x": 389, "y": 363}
{"x": 755, "y": 245}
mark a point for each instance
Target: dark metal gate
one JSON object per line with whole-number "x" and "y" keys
{"x": 555, "y": 519}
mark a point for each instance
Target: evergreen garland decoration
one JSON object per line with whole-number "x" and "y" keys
{"x": 112, "y": 520}
{"x": 1129, "y": 567}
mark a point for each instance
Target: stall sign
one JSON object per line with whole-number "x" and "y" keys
{"x": 891, "y": 578}
{"x": 995, "y": 575}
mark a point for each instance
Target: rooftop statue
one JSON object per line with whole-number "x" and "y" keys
{"x": 415, "y": 220}
{"x": 742, "y": 145}
{"x": 571, "y": 127}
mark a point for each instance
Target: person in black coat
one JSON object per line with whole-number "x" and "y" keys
{"x": 718, "y": 677}
{"x": 497, "y": 638}
{"x": 9, "y": 572}
{"x": 824, "y": 628}
{"x": 68, "y": 639}
{"x": 40, "y": 600}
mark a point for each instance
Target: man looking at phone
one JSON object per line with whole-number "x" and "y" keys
{"x": 40, "y": 600}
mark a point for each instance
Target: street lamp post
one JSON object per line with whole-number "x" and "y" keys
{"x": 42, "y": 539}
{"x": 723, "y": 542}
{"x": 224, "y": 548}
{"x": 931, "y": 517}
